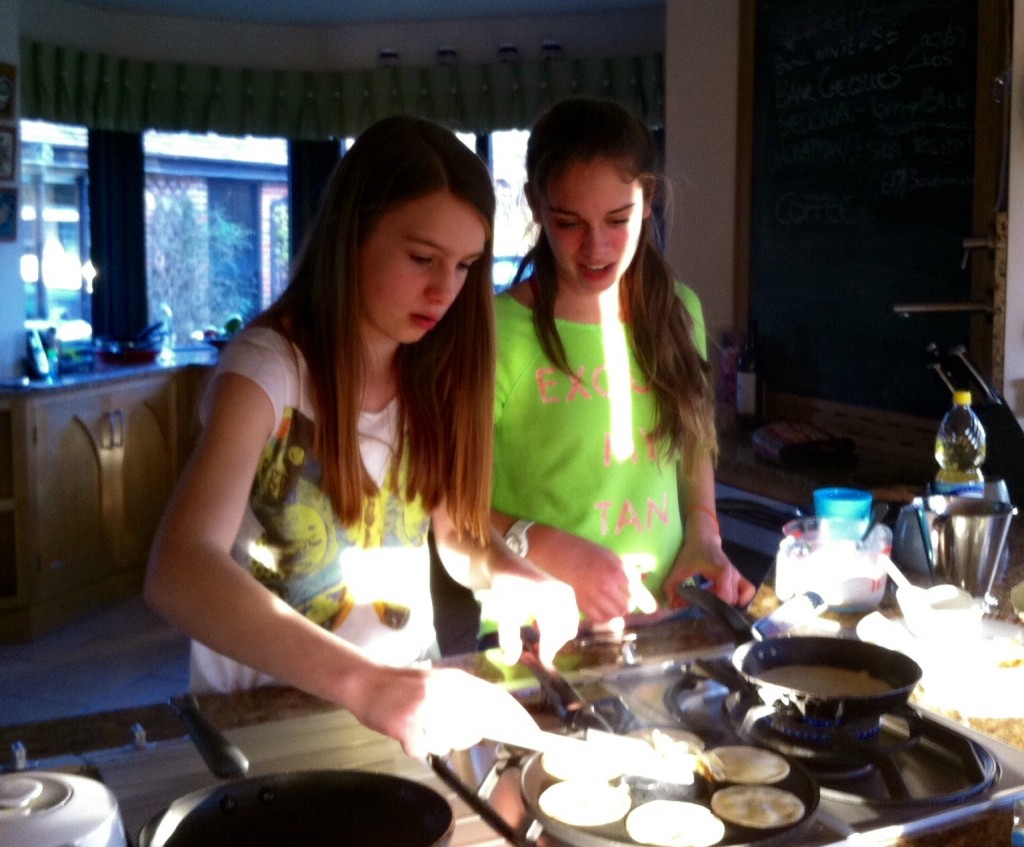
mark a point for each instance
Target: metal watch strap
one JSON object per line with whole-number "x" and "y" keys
{"x": 516, "y": 538}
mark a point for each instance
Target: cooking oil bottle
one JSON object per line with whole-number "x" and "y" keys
{"x": 960, "y": 450}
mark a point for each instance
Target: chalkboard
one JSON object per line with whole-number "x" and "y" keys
{"x": 861, "y": 195}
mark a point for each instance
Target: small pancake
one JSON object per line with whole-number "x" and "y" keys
{"x": 745, "y": 764}
{"x": 674, "y": 823}
{"x": 583, "y": 802}
{"x": 594, "y": 766}
{"x": 757, "y": 806}
{"x": 666, "y": 738}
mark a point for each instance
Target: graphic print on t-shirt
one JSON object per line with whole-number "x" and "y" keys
{"x": 305, "y": 556}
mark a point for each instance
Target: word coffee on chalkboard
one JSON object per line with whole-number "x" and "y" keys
{"x": 863, "y": 171}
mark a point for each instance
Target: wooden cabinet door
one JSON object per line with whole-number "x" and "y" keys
{"x": 70, "y": 504}
{"x": 105, "y": 461}
{"x": 144, "y": 468}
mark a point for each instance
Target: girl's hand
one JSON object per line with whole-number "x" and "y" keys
{"x": 524, "y": 594}
{"x": 434, "y": 711}
{"x": 599, "y": 578}
{"x": 704, "y": 556}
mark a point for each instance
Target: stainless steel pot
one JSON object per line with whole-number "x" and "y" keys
{"x": 52, "y": 809}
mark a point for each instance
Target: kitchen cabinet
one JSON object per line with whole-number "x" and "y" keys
{"x": 85, "y": 473}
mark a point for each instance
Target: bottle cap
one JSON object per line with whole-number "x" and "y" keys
{"x": 962, "y": 398}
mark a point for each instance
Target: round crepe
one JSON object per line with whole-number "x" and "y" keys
{"x": 745, "y": 764}
{"x": 668, "y": 738}
{"x": 582, "y": 802}
{"x": 757, "y": 806}
{"x": 593, "y": 766}
{"x": 674, "y": 823}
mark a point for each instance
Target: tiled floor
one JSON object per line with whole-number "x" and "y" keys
{"x": 123, "y": 655}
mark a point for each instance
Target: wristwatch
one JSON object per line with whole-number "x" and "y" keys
{"x": 516, "y": 538}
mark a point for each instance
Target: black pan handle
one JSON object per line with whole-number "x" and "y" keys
{"x": 738, "y": 625}
{"x": 222, "y": 757}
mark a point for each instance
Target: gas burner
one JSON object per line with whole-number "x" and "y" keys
{"x": 822, "y": 746}
{"x": 899, "y": 760}
{"x": 871, "y": 761}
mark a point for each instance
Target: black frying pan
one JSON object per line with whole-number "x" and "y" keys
{"x": 313, "y": 808}
{"x": 534, "y": 779}
{"x": 803, "y": 661}
{"x": 317, "y": 808}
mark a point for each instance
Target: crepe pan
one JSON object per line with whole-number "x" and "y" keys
{"x": 753, "y": 660}
{"x": 534, "y": 779}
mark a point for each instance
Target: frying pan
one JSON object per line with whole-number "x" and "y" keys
{"x": 314, "y": 808}
{"x": 756, "y": 665}
{"x": 534, "y": 779}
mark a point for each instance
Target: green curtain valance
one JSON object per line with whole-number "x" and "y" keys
{"x": 101, "y": 91}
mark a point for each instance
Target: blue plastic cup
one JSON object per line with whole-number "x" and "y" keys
{"x": 843, "y": 513}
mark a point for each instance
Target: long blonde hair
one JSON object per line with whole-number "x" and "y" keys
{"x": 583, "y": 129}
{"x": 446, "y": 380}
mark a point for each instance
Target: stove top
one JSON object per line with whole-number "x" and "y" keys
{"x": 947, "y": 770}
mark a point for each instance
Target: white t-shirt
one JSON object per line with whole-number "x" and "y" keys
{"x": 369, "y": 583}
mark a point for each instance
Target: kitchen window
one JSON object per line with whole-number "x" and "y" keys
{"x": 216, "y": 225}
{"x": 54, "y": 229}
{"x": 217, "y": 229}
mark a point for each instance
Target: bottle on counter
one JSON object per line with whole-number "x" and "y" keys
{"x": 749, "y": 404}
{"x": 960, "y": 450}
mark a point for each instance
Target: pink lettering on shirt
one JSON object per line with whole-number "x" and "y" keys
{"x": 654, "y": 512}
{"x": 609, "y": 458}
{"x": 545, "y": 384}
{"x": 628, "y": 517}
{"x": 603, "y": 508}
{"x": 576, "y": 385}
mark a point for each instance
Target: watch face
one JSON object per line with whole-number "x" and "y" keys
{"x": 516, "y": 540}
{"x": 515, "y": 543}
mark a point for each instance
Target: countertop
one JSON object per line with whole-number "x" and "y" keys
{"x": 112, "y": 729}
{"x": 186, "y": 357}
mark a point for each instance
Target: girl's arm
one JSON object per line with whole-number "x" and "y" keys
{"x": 522, "y": 589}
{"x": 702, "y": 552}
{"x": 601, "y": 582}
{"x": 193, "y": 581}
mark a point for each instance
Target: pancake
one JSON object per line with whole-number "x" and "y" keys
{"x": 592, "y": 766}
{"x": 757, "y": 806}
{"x": 674, "y": 823}
{"x": 666, "y": 739}
{"x": 744, "y": 764}
{"x": 582, "y": 802}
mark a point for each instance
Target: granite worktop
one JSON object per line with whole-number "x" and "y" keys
{"x": 990, "y": 828}
{"x": 99, "y": 372}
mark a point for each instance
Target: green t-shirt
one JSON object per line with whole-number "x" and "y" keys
{"x": 574, "y": 452}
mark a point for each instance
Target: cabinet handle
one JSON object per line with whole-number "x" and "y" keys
{"x": 119, "y": 429}
{"x": 107, "y": 431}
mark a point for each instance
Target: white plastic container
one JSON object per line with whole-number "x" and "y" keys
{"x": 849, "y": 575}
{"x": 51, "y": 809}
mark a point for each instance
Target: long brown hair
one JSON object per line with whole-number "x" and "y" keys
{"x": 583, "y": 129}
{"x": 446, "y": 379}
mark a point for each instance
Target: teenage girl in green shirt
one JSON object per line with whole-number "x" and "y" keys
{"x": 604, "y": 426}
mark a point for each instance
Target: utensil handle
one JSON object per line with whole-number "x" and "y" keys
{"x": 732, "y": 619}
{"x": 222, "y": 757}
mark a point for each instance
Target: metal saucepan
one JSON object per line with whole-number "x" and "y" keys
{"x": 817, "y": 677}
{"x": 314, "y": 808}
